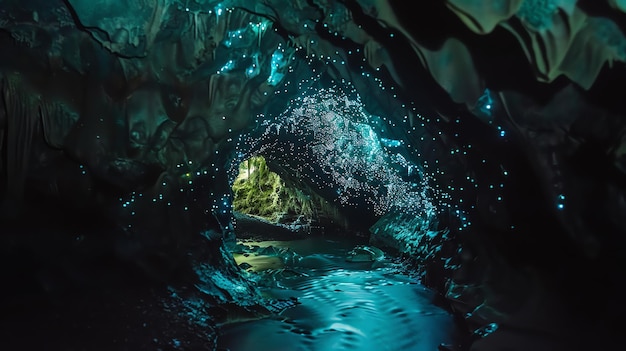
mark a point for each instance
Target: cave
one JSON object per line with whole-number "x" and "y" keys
{"x": 443, "y": 175}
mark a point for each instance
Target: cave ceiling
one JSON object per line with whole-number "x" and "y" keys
{"x": 140, "y": 108}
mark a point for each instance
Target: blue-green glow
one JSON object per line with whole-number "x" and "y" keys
{"x": 234, "y": 37}
{"x": 390, "y": 142}
{"x": 560, "y": 202}
{"x": 486, "y": 330}
{"x": 255, "y": 68}
{"x": 229, "y": 66}
{"x": 485, "y": 103}
{"x": 277, "y": 66}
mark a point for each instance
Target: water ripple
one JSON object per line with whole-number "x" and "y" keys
{"x": 345, "y": 306}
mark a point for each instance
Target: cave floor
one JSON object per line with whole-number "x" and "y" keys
{"x": 341, "y": 305}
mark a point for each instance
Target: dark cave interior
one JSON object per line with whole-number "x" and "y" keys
{"x": 453, "y": 167}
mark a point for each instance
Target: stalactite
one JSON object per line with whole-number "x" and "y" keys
{"x": 48, "y": 113}
{"x": 153, "y": 26}
{"x": 21, "y": 126}
{"x": 197, "y": 25}
{"x": 212, "y": 88}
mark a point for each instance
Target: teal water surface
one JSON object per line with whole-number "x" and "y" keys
{"x": 343, "y": 305}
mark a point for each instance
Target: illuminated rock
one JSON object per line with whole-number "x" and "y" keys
{"x": 495, "y": 126}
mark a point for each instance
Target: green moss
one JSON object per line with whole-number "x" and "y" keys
{"x": 260, "y": 192}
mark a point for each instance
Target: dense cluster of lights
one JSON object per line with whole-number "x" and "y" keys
{"x": 325, "y": 136}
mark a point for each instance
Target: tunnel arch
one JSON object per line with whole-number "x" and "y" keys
{"x": 135, "y": 118}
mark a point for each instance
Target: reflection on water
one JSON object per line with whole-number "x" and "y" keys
{"x": 343, "y": 305}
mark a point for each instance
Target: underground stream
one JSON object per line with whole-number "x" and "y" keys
{"x": 350, "y": 296}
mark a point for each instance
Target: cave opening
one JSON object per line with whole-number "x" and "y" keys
{"x": 328, "y": 285}
{"x": 259, "y": 192}
{"x": 326, "y": 198}
{"x": 477, "y": 149}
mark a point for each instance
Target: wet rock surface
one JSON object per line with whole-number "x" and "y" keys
{"x": 133, "y": 111}
{"x": 504, "y": 303}
{"x": 248, "y": 226}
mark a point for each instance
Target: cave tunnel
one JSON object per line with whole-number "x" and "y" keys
{"x": 443, "y": 175}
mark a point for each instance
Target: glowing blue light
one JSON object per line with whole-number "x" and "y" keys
{"x": 234, "y": 37}
{"x": 486, "y": 330}
{"x": 278, "y": 63}
{"x": 336, "y": 141}
{"x": 255, "y": 68}
{"x": 228, "y": 66}
{"x": 485, "y": 103}
{"x": 390, "y": 142}
{"x": 560, "y": 202}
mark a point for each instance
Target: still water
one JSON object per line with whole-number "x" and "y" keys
{"x": 342, "y": 305}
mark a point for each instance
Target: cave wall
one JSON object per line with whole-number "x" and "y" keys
{"x": 133, "y": 112}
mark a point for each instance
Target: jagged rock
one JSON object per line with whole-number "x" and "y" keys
{"x": 407, "y": 234}
{"x": 363, "y": 253}
{"x": 245, "y": 265}
{"x": 269, "y": 251}
{"x": 135, "y": 110}
{"x": 277, "y": 306}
